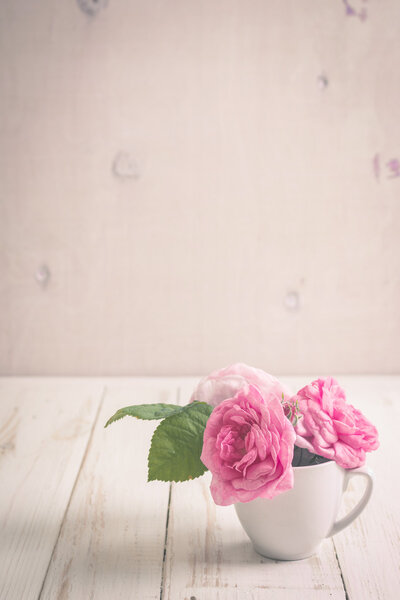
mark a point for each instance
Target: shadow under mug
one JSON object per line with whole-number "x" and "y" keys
{"x": 292, "y": 525}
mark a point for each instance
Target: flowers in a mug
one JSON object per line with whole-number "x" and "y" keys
{"x": 248, "y": 447}
{"x": 331, "y": 427}
{"x": 245, "y": 426}
{"x": 225, "y": 383}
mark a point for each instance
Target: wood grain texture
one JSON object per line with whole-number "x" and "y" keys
{"x": 210, "y": 556}
{"x": 45, "y": 426}
{"x": 249, "y": 181}
{"x": 79, "y": 521}
{"x": 112, "y": 541}
{"x": 369, "y": 549}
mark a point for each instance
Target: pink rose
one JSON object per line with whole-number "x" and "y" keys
{"x": 332, "y": 428}
{"x": 248, "y": 447}
{"x": 225, "y": 383}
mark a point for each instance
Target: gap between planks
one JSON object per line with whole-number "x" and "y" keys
{"x": 346, "y": 595}
{"x": 220, "y": 537}
{"x": 95, "y": 420}
{"x": 178, "y": 401}
{"x": 165, "y": 545}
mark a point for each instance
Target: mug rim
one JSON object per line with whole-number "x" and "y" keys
{"x": 327, "y": 462}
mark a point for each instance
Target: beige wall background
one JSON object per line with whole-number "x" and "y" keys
{"x": 188, "y": 183}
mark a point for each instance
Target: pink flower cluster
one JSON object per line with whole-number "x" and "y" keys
{"x": 249, "y": 438}
{"x": 224, "y": 383}
{"x": 331, "y": 427}
{"x": 248, "y": 447}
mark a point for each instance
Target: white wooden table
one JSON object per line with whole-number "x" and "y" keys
{"x": 79, "y": 521}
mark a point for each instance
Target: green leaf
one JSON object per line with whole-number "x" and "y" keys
{"x": 147, "y": 412}
{"x": 177, "y": 444}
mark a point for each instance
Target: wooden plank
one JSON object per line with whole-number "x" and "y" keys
{"x": 368, "y": 550}
{"x": 209, "y": 555}
{"x": 45, "y": 426}
{"x": 112, "y": 541}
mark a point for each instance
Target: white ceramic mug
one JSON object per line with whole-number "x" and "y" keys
{"x": 292, "y": 525}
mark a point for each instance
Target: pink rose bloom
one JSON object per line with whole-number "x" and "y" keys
{"x": 248, "y": 447}
{"x": 225, "y": 383}
{"x": 332, "y": 428}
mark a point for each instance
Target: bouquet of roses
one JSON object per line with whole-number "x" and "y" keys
{"x": 247, "y": 428}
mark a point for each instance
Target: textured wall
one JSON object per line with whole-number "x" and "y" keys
{"x": 187, "y": 183}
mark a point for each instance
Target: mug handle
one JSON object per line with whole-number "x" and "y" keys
{"x": 353, "y": 514}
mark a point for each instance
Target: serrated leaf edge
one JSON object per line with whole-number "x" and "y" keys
{"x": 120, "y": 413}
{"x": 150, "y": 479}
